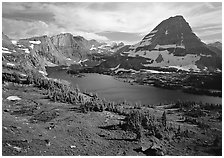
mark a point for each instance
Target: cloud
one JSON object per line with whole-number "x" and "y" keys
{"x": 91, "y": 19}
{"x": 90, "y": 36}
{"x": 26, "y": 29}
{"x": 122, "y": 36}
{"x": 23, "y": 29}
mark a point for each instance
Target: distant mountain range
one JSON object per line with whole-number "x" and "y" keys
{"x": 216, "y": 47}
{"x": 63, "y": 49}
{"x": 170, "y": 45}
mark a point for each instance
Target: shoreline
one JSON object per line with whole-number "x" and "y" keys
{"x": 130, "y": 81}
{"x": 189, "y": 90}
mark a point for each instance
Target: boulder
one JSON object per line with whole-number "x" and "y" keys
{"x": 152, "y": 147}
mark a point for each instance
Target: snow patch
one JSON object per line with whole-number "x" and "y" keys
{"x": 149, "y": 36}
{"x": 126, "y": 70}
{"x": 23, "y": 75}
{"x": 104, "y": 46}
{"x": 31, "y": 46}
{"x": 10, "y": 64}
{"x": 5, "y": 51}
{"x": 165, "y": 46}
{"x": 81, "y": 61}
{"x": 13, "y": 98}
{"x": 50, "y": 64}
{"x": 3, "y": 48}
{"x": 181, "y": 46}
{"x": 155, "y": 72}
{"x": 35, "y": 42}
{"x": 154, "y": 31}
{"x": 93, "y": 48}
{"x": 166, "y": 33}
{"x": 145, "y": 42}
{"x": 168, "y": 59}
{"x": 85, "y": 60}
{"x": 26, "y": 50}
{"x": 191, "y": 67}
{"x": 187, "y": 68}
{"x": 115, "y": 67}
{"x": 9, "y": 144}
{"x": 100, "y": 47}
{"x": 169, "y": 46}
{"x": 182, "y": 39}
{"x": 204, "y": 55}
{"x": 44, "y": 73}
{"x": 14, "y": 42}
{"x": 205, "y": 68}
{"x": 17, "y": 148}
{"x": 68, "y": 59}
{"x": 112, "y": 50}
{"x": 178, "y": 67}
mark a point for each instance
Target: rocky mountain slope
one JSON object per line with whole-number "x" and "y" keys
{"x": 66, "y": 49}
{"x": 19, "y": 58}
{"x": 171, "y": 44}
{"x": 216, "y": 47}
{"x": 216, "y": 44}
{"x": 63, "y": 49}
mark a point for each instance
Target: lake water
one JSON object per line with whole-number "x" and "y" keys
{"x": 111, "y": 89}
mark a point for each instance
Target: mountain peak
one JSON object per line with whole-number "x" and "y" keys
{"x": 217, "y": 42}
{"x": 176, "y": 22}
{"x": 173, "y": 43}
{"x": 174, "y": 30}
{"x": 177, "y": 17}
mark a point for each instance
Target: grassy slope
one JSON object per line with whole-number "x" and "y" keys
{"x": 37, "y": 126}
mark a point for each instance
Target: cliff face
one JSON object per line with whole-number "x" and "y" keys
{"x": 62, "y": 49}
{"x": 69, "y": 46}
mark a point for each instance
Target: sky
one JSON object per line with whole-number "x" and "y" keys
{"x": 128, "y": 22}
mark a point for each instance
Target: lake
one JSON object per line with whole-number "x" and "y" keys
{"x": 111, "y": 89}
